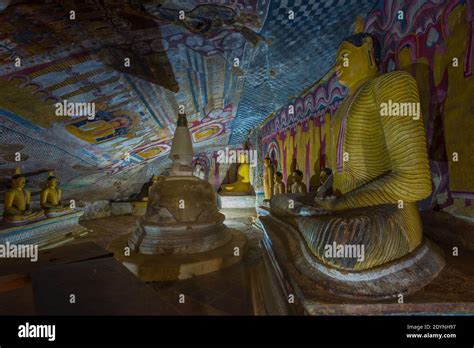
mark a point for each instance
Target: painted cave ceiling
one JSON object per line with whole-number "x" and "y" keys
{"x": 49, "y": 54}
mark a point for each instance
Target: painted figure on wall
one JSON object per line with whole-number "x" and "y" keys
{"x": 104, "y": 127}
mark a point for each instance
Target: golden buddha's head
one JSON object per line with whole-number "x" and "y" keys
{"x": 278, "y": 177}
{"x": 18, "y": 181}
{"x": 357, "y": 59}
{"x": 154, "y": 179}
{"x": 267, "y": 161}
{"x": 52, "y": 181}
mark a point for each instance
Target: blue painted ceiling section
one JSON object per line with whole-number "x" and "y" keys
{"x": 301, "y": 51}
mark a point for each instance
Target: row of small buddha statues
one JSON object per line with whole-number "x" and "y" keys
{"x": 273, "y": 183}
{"x": 17, "y": 201}
{"x": 296, "y": 184}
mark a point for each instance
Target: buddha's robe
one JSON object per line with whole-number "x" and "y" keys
{"x": 242, "y": 185}
{"x": 387, "y": 167}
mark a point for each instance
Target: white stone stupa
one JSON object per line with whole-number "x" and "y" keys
{"x": 182, "y": 232}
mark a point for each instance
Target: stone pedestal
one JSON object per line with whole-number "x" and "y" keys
{"x": 164, "y": 267}
{"x": 136, "y": 208}
{"x": 403, "y": 276}
{"x": 43, "y": 232}
{"x": 179, "y": 239}
{"x": 236, "y": 201}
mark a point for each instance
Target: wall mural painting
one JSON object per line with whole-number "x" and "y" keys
{"x": 212, "y": 126}
{"x": 297, "y": 133}
{"x": 435, "y": 44}
{"x": 434, "y": 41}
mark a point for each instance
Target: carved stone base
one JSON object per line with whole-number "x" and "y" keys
{"x": 236, "y": 201}
{"x": 179, "y": 239}
{"x": 165, "y": 267}
{"x": 403, "y": 276}
{"x": 44, "y": 231}
{"x": 135, "y": 208}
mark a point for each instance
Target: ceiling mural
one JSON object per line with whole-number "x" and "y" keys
{"x": 132, "y": 64}
{"x": 48, "y": 58}
{"x": 302, "y": 50}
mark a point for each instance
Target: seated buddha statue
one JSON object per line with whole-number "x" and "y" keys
{"x": 242, "y": 185}
{"x": 379, "y": 167}
{"x": 17, "y": 202}
{"x": 298, "y": 186}
{"x": 144, "y": 193}
{"x": 50, "y": 197}
{"x": 278, "y": 185}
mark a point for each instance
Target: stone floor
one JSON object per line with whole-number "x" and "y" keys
{"x": 225, "y": 292}
{"x": 229, "y": 291}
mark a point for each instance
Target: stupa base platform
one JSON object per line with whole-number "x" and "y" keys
{"x": 305, "y": 273}
{"x": 135, "y": 208}
{"x": 236, "y": 201}
{"x": 44, "y": 232}
{"x": 163, "y": 267}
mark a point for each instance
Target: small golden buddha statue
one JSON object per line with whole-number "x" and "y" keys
{"x": 50, "y": 197}
{"x": 379, "y": 166}
{"x": 242, "y": 186}
{"x": 144, "y": 193}
{"x": 268, "y": 177}
{"x": 17, "y": 202}
{"x": 298, "y": 185}
{"x": 278, "y": 186}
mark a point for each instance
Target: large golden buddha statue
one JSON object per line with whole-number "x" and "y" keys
{"x": 379, "y": 167}
{"x": 242, "y": 185}
{"x": 17, "y": 202}
{"x": 50, "y": 197}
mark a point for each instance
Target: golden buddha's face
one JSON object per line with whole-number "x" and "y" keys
{"x": 154, "y": 178}
{"x": 277, "y": 178}
{"x": 18, "y": 182}
{"x": 53, "y": 182}
{"x": 354, "y": 64}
